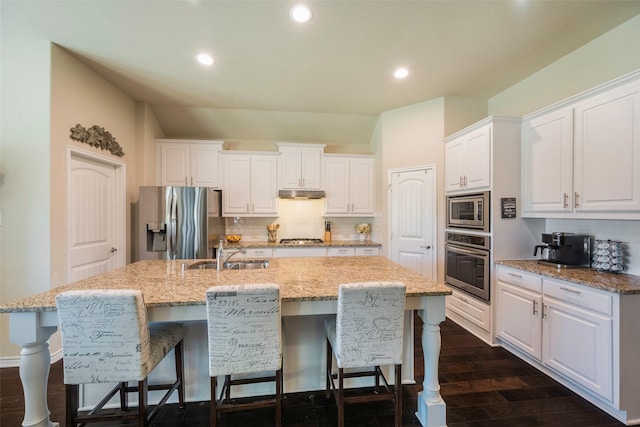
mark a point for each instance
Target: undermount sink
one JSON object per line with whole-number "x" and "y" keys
{"x": 244, "y": 264}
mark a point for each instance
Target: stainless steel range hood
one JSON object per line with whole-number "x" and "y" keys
{"x": 301, "y": 194}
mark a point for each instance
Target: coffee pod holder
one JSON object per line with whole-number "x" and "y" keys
{"x": 608, "y": 255}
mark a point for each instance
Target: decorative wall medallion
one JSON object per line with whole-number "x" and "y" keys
{"x": 97, "y": 137}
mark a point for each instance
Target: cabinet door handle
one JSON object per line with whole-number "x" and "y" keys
{"x": 544, "y": 311}
{"x": 465, "y": 181}
{"x": 460, "y": 182}
{"x": 566, "y": 200}
{"x": 518, "y": 276}
{"x": 577, "y": 200}
{"x": 192, "y": 181}
{"x": 302, "y": 182}
{"x": 573, "y": 291}
{"x": 426, "y": 247}
{"x": 535, "y": 311}
{"x": 185, "y": 181}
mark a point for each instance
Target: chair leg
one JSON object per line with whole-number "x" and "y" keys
{"x": 143, "y": 404}
{"x": 340, "y": 401}
{"x": 398, "y": 390}
{"x": 180, "y": 373}
{"x": 329, "y": 363}
{"x": 213, "y": 422}
{"x": 71, "y": 394}
{"x": 278, "y": 397}
{"x": 124, "y": 404}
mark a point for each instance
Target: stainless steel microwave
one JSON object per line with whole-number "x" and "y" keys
{"x": 469, "y": 211}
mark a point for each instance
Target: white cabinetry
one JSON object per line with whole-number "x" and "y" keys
{"x": 349, "y": 185}
{"x": 518, "y": 318}
{"x": 577, "y": 334}
{"x": 299, "y": 252}
{"x": 255, "y": 253}
{"x": 470, "y": 312}
{"x": 300, "y": 166}
{"x": 188, "y": 163}
{"x": 581, "y": 157}
{"x": 250, "y": 184}
{"x": 468, "y": 161}
{"x": 367, "y": 251}
{"x": 585, "y": 338}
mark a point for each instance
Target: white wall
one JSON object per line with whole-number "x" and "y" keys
{"x": 609, "y": 56}
{"x": 45, "y": 92}
{"x": 412, "y": 136}
{"x": 25, "y": 234}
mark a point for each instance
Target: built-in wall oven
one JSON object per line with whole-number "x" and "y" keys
{"x": 467, "y": 263}
{"x": 469, "y": 211}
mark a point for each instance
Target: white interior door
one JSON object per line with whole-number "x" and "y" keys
{"x": 95, "y": 217}
{"x": 412, "y": 215}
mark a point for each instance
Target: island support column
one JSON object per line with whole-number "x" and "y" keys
{"x": 35, "y": 361}
{"x": 432, "y": 411}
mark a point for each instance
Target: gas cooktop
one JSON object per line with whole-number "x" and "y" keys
{"x": 301, "y": 241}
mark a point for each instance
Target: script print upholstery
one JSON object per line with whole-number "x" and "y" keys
{"x": 244, "y": 329}
{"x": 106, "y": 337}
{"x": 369, "y": 326}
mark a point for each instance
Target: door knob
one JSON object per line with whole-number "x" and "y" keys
{"x": 113, "y": 250}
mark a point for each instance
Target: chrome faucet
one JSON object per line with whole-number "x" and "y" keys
{"x": 222, "y": 257}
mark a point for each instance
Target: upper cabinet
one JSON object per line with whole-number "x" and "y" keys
{"x": 581, "y": 158}
{"x": 468, "y": 160}
{"x": 250, "y": 184}
{"x": 349, "y": 184}
{"x": 300, "y": 166}
{"x": 188, "y": 163}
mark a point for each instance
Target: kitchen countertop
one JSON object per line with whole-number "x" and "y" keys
{"x": 300, "y": 279}
{"x": 274, "y": 245}
{"x": 619, "y": 283}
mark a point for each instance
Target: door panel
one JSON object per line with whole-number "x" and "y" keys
{"x": 92, "y": 218}
{"x": 412, "y": 221}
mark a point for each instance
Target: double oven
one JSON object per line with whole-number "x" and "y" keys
{"x": 468, "y": 244}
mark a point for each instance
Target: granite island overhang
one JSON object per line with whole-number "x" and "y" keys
{"x": 308, "y": 290}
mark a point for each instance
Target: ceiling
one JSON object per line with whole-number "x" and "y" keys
{"x": 325, "y": 81}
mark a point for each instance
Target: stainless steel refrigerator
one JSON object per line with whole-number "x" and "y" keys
{"x": 177, "y": 223}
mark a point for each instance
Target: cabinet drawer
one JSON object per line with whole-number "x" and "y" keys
{"x": 579, "y": 295}
{"x": 533, "y": 282}
{"x": 257, "y": 253}
{"x": 367, "y": 251}
{"x": 470, "y": 309}
{"x": 340, "y": 251}
{"x": 299, "y": 252}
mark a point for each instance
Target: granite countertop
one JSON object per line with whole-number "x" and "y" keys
{"x": 300, "y": 279}
{"x": 275, "y": 245}
{"x": 618, "y": 283}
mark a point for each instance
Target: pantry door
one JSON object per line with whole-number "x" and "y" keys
{"x": 412, "y": 216}
{"x": 95, "y": 215}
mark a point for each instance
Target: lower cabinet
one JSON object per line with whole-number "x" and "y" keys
{"x": 474, "y": 314}
{"x": 585, "y": 338}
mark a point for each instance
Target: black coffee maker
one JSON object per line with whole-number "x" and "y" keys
{"x": 565, "y": 250}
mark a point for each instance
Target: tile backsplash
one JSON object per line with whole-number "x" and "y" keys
{"x": 297, "y": 218}
{"x": 627, "y": 232}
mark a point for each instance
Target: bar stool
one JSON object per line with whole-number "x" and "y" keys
{"x": 245, "y": 337}
{"x": 106, "y": 339}
{"x": 366, "y": 332}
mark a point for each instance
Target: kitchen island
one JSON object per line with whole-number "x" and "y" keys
{"x": 175, "y": 293}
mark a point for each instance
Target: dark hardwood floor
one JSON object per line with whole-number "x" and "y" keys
{"x": 482, "y": 386}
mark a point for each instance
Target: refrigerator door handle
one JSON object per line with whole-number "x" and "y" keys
{"x": 171, "y": 221}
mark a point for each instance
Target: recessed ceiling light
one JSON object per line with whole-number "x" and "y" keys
{"x": 400, "y": 73}
{"x": 205, "y": 59}
{"x": 300, "y": 13}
